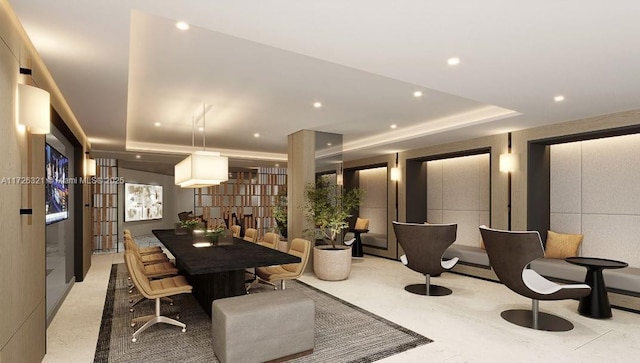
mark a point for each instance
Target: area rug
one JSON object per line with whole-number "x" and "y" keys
{"x": 344, "y": 332}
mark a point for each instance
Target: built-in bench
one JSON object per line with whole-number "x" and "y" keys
{"x": 374, "y": 240}
{"x": 622, "y": 284}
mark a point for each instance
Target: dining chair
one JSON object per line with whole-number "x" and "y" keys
{"x": 155, "y": 289}
{"x": 235, "y": 229}
{"x": 270, "y": 240}
{"x": 291, "y": 271}
{"x": 251, "y": 235}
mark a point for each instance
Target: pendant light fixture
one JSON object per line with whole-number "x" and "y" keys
{"x": 202, "y": 168}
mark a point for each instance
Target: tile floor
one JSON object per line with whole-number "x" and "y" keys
{"x": 465, "y": 326}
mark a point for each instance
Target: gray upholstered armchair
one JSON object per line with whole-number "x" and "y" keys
{"x": 510, "y": 253}
{"x": 424, "y": 245}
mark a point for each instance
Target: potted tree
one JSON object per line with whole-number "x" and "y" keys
{"x": 280, "y": 215}
{"x": 328, "y": 207}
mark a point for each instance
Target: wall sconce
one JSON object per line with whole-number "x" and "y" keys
{"x": 89, "y": 166}
{"x": 395, "y": 173}
{"x": 509, "y": 162}
{"x": 34, "y": 107}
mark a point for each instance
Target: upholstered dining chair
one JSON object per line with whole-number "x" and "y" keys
{"x": 251, "y": 235}
{"x": 152, "y": 271}
{"x": 510, "y": 253}
{"x": 142, "y": 250}
{"x": 424, "y": 246}
{"x": 291, "y": 271}
{"x": 235, "y": 230}
{"x": 270, "y": 240}
{"x": 155, "y": 290}
{"x": 146, "y": 259}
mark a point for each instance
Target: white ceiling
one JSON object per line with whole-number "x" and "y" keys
{"x": 260, "y": 65}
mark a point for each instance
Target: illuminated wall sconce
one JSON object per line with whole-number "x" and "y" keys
{"x": 89, "y": 166}
{"x": 509, "y": 162}
{"x": 395, "y": 173}
{"x": 34, "y": 111}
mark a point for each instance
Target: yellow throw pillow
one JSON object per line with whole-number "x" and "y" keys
{"x": 361, "y": 223}
{"x": 561, "y": 245}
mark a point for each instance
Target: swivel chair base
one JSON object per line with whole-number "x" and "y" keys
{"x": 547, "y": 322}
{"x": 434, "y": 290}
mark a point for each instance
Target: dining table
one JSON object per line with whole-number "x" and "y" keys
{"x": 217, "y": 270}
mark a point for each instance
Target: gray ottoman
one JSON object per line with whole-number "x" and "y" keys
{"x": 263, "y": 327}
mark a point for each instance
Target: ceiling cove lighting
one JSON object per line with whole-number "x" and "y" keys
{"x": 34, "y": 111}
{"x": 202, "y": 168}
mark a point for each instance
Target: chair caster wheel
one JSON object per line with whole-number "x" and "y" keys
{"x": 171, "y": 303}
{"x": 130, "y": 301}
{"x": 134, "y": 340}
{"x": 177, "y": 316}
{"x": 131, "y": 310}
{"x": 184, "y": 330}
{"x": 133, "y": 325}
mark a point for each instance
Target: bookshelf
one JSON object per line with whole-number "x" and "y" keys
{"x": 249, "y": 195}
{"x": 104, "y": 191}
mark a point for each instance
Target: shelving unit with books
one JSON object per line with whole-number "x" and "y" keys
{"x": 105, "y": 205}
{"x": 246, "y": 199}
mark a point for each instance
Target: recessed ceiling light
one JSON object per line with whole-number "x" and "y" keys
{"x": 256, "y": 135}
{"x": 200, "y": 128}
{"x": 558, "y": 98}
{"x": 454, "y": 61}
{"x": 157, "y": 124}
{"x": 138, "y": 156}
{"x": 394, "y": 126}
{"x": 182, "y": 25}
{"x": 277, "y": 165}
{"x": 417, "y": 94}
{"x": 317, "y": 104}
{"x": 329, "y": 144}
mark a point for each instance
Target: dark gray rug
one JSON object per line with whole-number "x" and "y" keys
{"x": 344, "y": 332}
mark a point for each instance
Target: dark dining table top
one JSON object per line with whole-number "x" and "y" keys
{"x": 227, "y": 255}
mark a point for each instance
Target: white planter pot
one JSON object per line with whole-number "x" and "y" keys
{"x": 330, "y": 264}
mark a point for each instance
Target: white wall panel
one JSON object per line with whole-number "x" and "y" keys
{"x": 468, "y": 223}
{"x": 374, "y": 205}
{"x": 607, "y": 212}
{"x": 460, "y": 184}
{"x": 611, "y": 175}
{"x": 458, "y": 191}
{"x": 566, "y": 175}
{"x": 434, "y": 184}
{"x": 612, "y": 236}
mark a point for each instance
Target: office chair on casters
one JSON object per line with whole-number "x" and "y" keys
{"x": 156, "y": 290}
{"x": 510, "y": 252}
{"x": 424, "y": 246}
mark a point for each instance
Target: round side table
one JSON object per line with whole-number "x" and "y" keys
{"x": 596, "y": 304}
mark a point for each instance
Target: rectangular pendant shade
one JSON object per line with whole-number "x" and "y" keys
{"x": 202, "y": 169}
{"x": 33, "y": 109}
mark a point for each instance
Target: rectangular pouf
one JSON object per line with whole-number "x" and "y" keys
{"x": 263, "y": 327}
